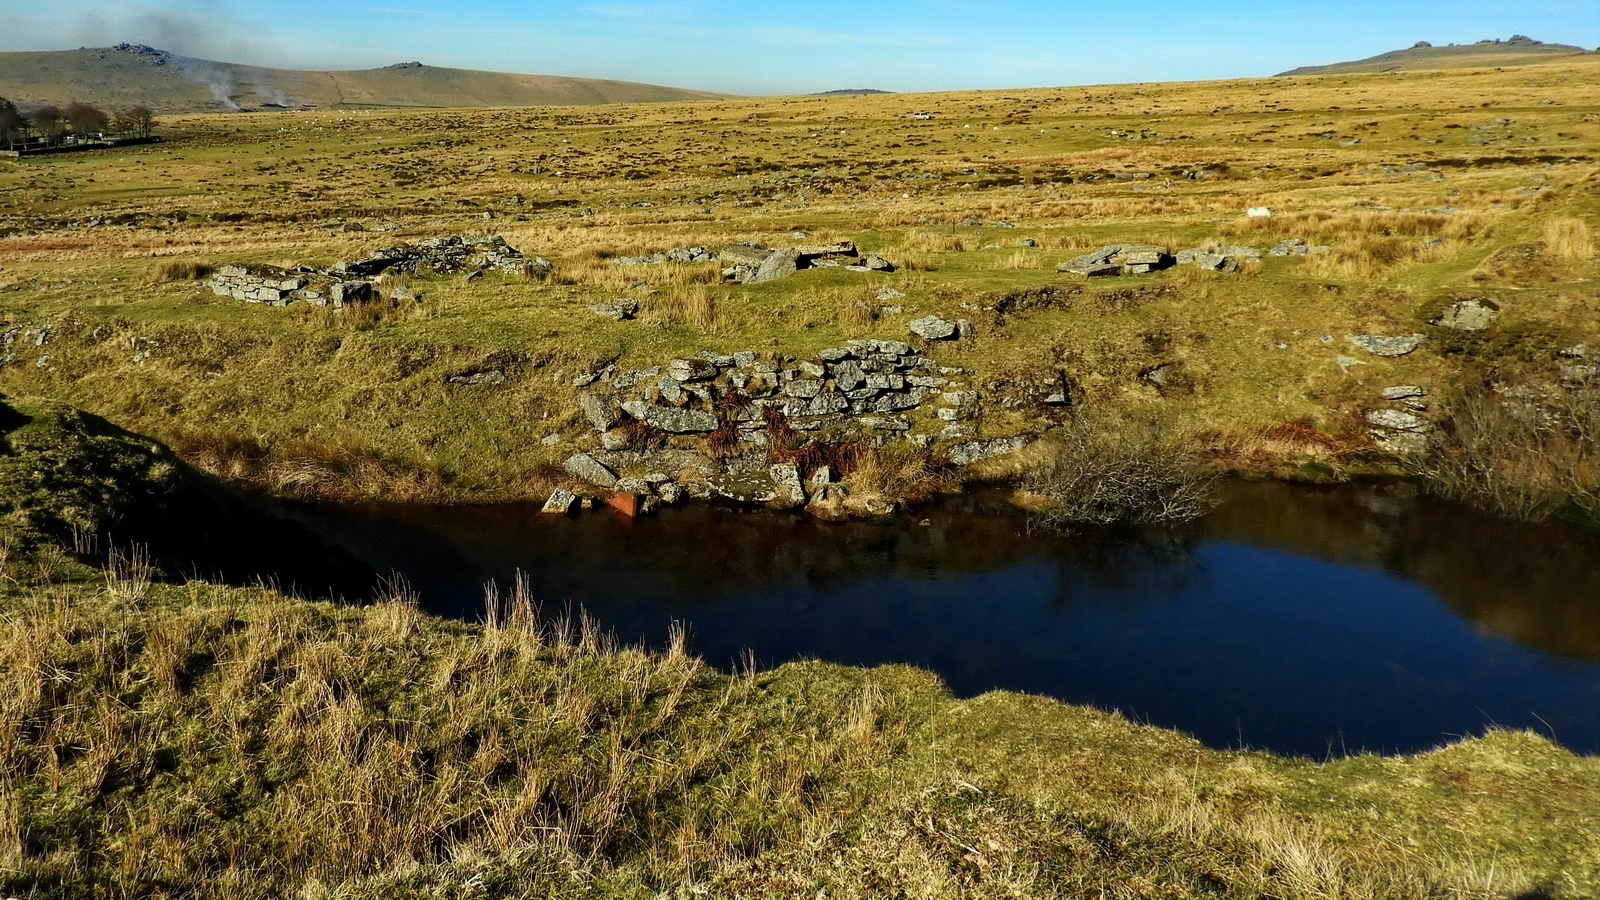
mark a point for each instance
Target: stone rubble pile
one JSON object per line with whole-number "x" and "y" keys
{"x": 1118, "y": 259}
{"x": 1137, "y": 259}
{"x": 452, "y": 255}
{"x": 1400, "y": 427}
{"x": 351, "y": 282}
{"x": 751, "y": 263}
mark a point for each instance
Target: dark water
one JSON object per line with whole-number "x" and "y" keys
{"x": 1306, "y": 621}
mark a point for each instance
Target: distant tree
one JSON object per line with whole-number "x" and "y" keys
{"x": 136, "y": 120}
{"x": 86, "y": 119}
{"x": 12, "y": 126}
{"x": 50, "y": 122}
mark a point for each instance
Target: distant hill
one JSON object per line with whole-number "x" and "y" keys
{"x": 1518, "y": 50}
{"x": 849, "y": 91}
{"x": 130, "y": 74}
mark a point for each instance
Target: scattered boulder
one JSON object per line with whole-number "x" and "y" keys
{"x": 587, "y": 468}
{"x": 1204, "y": 259}
{"x": 1469, "y": 315}
{"x": 1403, "y": 392}
{"x": 1388, "y": 346}
{"x": 754, "y": 487}
{"x": 933, "y": 328}
{"x": 561, "y": 502}
{"x": 601, "y": 410}
{"x": 1118, "y": 259}
{"x": 976, "y": 451}
{"x": 778, "y": 264}
{"x": 616, "y": 310}
{"x": 450, "y": 255}
{"x": 1294, "y": 247}
{"x": 481, "y": 376}
{"x": 653, "y": 259}
{"x": 788, "y": 492}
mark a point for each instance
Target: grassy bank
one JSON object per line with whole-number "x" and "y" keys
{"x": 191, "y": 739}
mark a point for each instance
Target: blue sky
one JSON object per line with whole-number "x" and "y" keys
{"x": 752, "y": 48}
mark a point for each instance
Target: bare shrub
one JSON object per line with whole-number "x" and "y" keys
{"x": 1519, "y": 458}
{"x": 1108, "y": 476}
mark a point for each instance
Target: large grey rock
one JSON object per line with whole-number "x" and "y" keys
{"x": 778, "y": 264}
{"x": 671, "y": 390}
{"x": 933, "y": 328}
{"x": 670, "y": 419}
{"x": 1403, "y": 392}
{"x": 1118, "y": 259}
{"x": 975, "y": 451}
{"x": 753, "y": 487}
{"x": 1469, "y": 315}
{"x": 1397, "y": 420}
{"x": 617, "y": 310}
{"x": 586, "y": 467}
{"x": 838, "y": 248}
{"x": 560, "y": 503}
{"x": 1387, "y": 346}
{"x": 788, "y": 491}
{"x": 601, "y": 410}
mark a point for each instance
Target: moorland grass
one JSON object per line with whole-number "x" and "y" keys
{"x": 191, "y": 739}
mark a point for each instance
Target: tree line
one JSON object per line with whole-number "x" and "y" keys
{"x": 52, "y": 126}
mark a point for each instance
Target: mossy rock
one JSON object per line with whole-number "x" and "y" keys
{"x": 64, "y": 471}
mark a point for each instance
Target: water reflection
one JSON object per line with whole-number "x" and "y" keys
{"x": 1538, "y": 585}
{"x": 1303, "y": 620}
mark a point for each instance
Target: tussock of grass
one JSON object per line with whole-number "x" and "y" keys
{"x": 180, "y": 270}
{"x": 1567, "y": 237}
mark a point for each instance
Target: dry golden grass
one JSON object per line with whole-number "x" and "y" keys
{"x": 1022, "y": 260}
{"x": 680, "y": 303}
{"x": 379, "y": 751}
{"x": 180, "y": 270}
{"x": 1567, "y": 237}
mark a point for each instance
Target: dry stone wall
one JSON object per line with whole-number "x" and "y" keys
{"x": 281, "y": 287}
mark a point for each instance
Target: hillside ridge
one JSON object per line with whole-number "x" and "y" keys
{"x": 1517, "y": 50}
{"x": 127, "y": 74}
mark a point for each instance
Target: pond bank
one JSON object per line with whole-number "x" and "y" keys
{"x": 1303, "y": 620}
